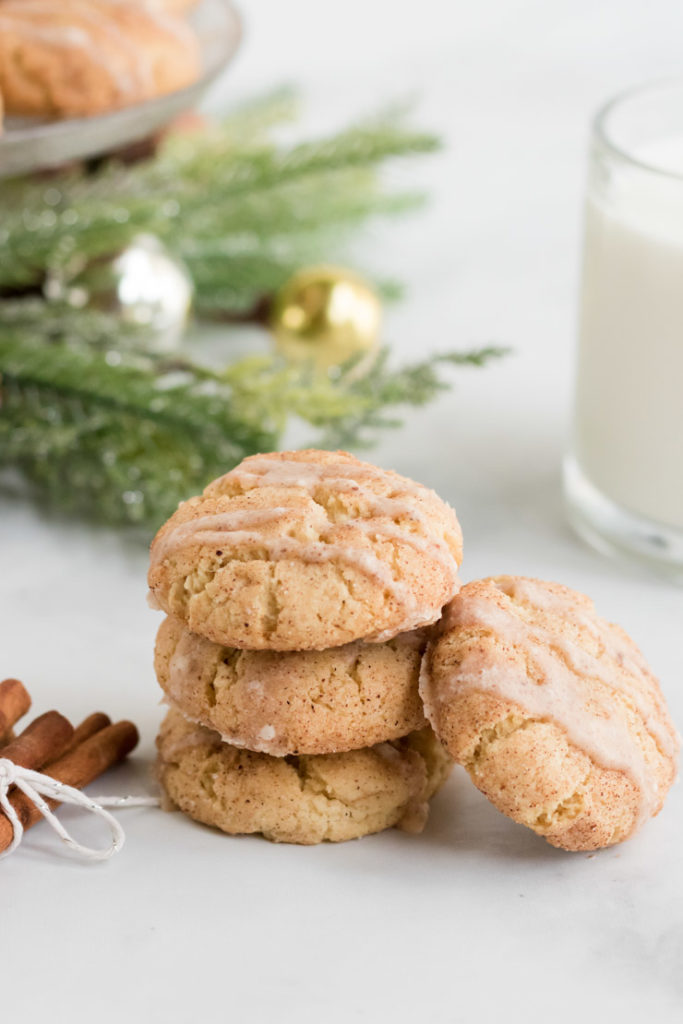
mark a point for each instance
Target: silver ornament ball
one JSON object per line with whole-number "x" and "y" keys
{"x": 143, "y": 284}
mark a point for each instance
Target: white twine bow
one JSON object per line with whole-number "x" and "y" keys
{"x": 35, "y": 786}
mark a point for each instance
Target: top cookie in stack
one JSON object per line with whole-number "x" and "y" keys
{"x": 298, "y": 589}
{"x": 305, "y": 551}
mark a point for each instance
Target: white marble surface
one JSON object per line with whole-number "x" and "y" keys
{"x": 477, "y": 918}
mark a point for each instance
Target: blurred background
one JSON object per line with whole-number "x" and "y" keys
{"x": 511, "y": 88}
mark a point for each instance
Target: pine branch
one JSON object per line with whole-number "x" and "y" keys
{"x": 98, "y": 422}
{"x": 124, "y": 439}
{"x": 382, "y": 390}
{"x": 241, "y": 211}
{"x": 252, "y": 120}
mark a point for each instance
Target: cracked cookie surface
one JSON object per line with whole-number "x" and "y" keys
{"x": 80, "y": 57}
{"x": 304, "y": 551}
{"x": 294, "y": 702}
{"x": 307, "y": 799}
{"x": 552, "y": 710}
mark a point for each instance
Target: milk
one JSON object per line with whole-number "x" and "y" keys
{"x": 629, "y": 403}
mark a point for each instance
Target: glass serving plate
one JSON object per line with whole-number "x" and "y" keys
{"x": 28, "y": 144}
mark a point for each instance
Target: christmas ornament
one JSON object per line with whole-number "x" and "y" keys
{"x": 326, "y": 315}
{"x": 142, "y": 285}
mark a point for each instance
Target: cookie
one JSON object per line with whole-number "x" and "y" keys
{"x": 294, "y": 702}
{"x": 552, "y": 710}
{"x": 302, "y": 800}
{"x": 81, "y": 57}
{"x": 304, "y": 551}
{"x": 172, "y": 6}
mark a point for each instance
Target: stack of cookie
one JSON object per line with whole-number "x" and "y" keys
{"x": 299, "y": 589}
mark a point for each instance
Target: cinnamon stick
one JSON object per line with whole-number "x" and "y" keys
{"x": 45, "y": 739}
{"x": 14, "y": 702}
{"x": 77, "y": 768}
{"x": 89, "y": 726}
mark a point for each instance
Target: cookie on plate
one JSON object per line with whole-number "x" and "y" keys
{"x": 302, "y": 800}
{"x": 172, "y": 6}
{"x": 552, "y": 710}
{"x": 294, "y": 702}
{"x": 304, "y": 551}
{"x": 80, "y": 57}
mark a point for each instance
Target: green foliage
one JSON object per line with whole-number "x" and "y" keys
{"x": 122, "y": 434}
{"x": 240, "y": 209}
{"x": 99, "y": 424}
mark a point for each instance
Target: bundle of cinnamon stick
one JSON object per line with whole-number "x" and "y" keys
{"x": 50, "y": 744}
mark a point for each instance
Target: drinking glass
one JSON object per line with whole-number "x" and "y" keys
{"x": 624, "y": 472}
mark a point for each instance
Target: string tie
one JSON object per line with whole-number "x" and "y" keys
{"x": 38, "y": 787}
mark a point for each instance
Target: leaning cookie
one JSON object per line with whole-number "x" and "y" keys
{"x": 553, "y": 711}
{"x": 81, "y": 57}
{"x": 303, "y": 800}
{"x": 304, "y": 551}
{"x": 294, "y": 702}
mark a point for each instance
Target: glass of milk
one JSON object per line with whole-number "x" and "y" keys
{"x": 624, "y": 473}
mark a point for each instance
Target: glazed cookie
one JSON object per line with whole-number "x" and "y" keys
{"x": 299, "y": 799}
{"x": 304, "y": 551}
{"x": 80, "y": 57}
{"x": 295, "y": 702}
{"x": 172, "y": 6}
{"x": 553, "y": 711}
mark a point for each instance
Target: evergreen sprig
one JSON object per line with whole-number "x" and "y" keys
{"x": 240, "y": 209}
{"x": 121, "y": 435}
{"x": 97, "y": 422}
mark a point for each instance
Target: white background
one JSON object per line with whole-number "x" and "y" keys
{"x": 477, "y": 918}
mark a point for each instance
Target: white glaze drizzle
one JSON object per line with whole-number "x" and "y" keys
{"x": 213, "y": 530}
{"x": 592, "y": 718}
{"x": 345, "y": 479}
{"x": 254, "y": 744}
{"x": 290, "y": 548}
{"x": 136, "y": 75}
{"x": 208, "y": 530}
{"x": 616, "y": 646}
{"x": 163, "y": 19}
{"x": 127, "y": 78}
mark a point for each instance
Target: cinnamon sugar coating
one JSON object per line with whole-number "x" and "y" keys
{"x": 552, "y": 710}
{"x": 305, "y": 800}
{"x": 77, "y": 58}
{"x": 304, "y": 551}
{"x": 294, "y": 702}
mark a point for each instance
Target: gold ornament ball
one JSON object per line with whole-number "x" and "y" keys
{"x": 325, "y": 316}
